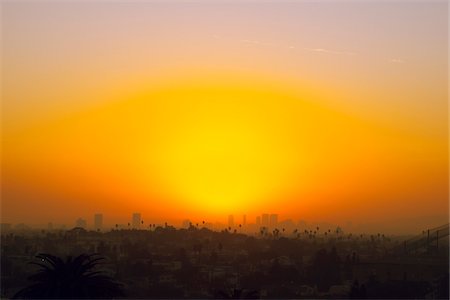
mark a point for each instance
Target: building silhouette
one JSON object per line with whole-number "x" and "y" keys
{"x": 186, "y": 223}
{"x": 244, "y": 220}
{"x": 98, "y": 222}
{"x": 273, "y": 221}
{"x": 258, "y": 221}
{"x": 265, "y": 220}
{"x": 136, "y": 220}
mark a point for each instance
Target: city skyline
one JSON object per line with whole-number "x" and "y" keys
{"x": 135, "y": 220}
{"x": 224, "y": 149}
{"x": 323, "y": 111}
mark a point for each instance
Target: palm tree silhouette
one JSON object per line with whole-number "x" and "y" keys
{"x": 69, "y": 279}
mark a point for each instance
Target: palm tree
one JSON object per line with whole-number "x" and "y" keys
{"x": 72, "y": 278}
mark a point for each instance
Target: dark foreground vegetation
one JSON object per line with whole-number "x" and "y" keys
{"x": 199, "y": 263}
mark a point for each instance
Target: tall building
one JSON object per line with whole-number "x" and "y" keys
{"x": 186, "y": 224}
{"x": 273, "y": 221}
{"x": 81, "y": 223}
{"x": 136, "y": 220}
{"x": 265, "y": 220}
{"x": 258, "y": 221}
{"x": 98, "y": 222}
{"x": 244, "y": 220}
{"x": 230, "y": 221}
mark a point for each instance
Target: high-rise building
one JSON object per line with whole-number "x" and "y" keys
{"x": 81, "y": 223}
{"x": 50, "y": 226}
{"x": 244, "y": 220}
{"x": 273, "y": 221}
{"x": 98, "y": 222}
{"x": 136, "y": 220}
{"x": 265, "y": 220}
{"x": 230, "y": 220}
{"x": 186, "y": 224}
{"x": 258, "y": 221}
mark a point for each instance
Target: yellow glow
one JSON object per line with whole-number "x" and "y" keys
{"x": 218, "y": 145}
{"x": 224, "y": 154}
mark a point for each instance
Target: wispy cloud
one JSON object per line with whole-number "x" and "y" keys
{"x": 321, "y": 50}
{"x": 397, "y": 61}
{"x": 256, "y": 42}
{"x": 291, "y": 47}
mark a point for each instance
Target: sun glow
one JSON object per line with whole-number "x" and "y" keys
{"x": 224, "y": 147}
{"x": 222, "y": 156}
{"x": 211, "y": 146}
{"x": 207, "y": 145}
{"x": 199, "y": 111}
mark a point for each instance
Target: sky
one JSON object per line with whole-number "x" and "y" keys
{"x": 326, "y": 111}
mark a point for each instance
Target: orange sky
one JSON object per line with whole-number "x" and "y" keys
{"x": 195, "y": 110}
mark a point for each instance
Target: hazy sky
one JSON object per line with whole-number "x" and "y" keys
{"x": 328, "y": 111}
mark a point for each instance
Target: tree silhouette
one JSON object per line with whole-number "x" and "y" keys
{"x": 69, "y": 279}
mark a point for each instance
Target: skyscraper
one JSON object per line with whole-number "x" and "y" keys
{"x": 273, "y": 221}
{"x": 186, "y": 224}
{"x": 258, "y": 221}
{"x": 98, "y": 222}
{"x": 244, "y": 220}
{"x": 136, "y": 220}
{"x": 230, "y": 221}
{"x": 265, "y": 220}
